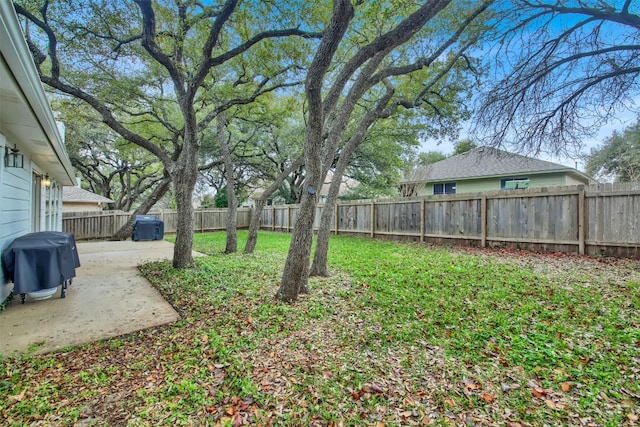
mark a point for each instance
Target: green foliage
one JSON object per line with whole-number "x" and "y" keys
{"x": 265, "y": 137}
{"x": 369, "y": 191}
{"x": 497, "y": 337}
{"x": 378, "y": 162}
{"x": 618, "y": 158}
{"x": 430, "y": 157}
{"x": 463, "y": 146}
{"x": 106, "y": 163}
{"x": 220, "y": 199}
{"x": 208, "y": 201}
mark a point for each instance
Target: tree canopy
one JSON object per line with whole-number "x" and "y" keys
{"x": 618, "y": 158}
{"x": 158, "y": 73}
{"x": 463, "y": 146}
{"x": 396, "y": 63}
{"x": 105, "y": 162}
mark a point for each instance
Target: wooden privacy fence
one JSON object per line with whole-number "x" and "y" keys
{"x": 103, "y": 225}
{"x": 600, "y": 219}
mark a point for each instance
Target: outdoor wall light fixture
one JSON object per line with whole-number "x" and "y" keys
{"x": 46, "y": 181}
{"x": 13, "y": 158}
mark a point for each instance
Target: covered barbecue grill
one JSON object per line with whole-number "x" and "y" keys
{"x": 147, "y": 227}
{"x": 42, "y": 260}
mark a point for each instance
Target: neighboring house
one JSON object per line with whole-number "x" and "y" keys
{"x": 346, "y": 186}
{"x": 75, "y": 199}
{"x": 488, "y": 169}
{"x": 33, "y": 162}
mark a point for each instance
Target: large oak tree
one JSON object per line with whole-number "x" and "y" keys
{"x": 346, "y": 70}
{"x": 174, "y": 63}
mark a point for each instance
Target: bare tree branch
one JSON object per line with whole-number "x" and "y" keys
{"x": 565, "y": 80}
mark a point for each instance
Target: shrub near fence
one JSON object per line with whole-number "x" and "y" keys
{"x": 600, "y": 219}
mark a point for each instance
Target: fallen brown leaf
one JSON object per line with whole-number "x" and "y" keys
{"x": 538, "y": 392}
{"x": 487, "y": 397}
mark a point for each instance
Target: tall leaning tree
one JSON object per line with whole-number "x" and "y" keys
{"x": 339, "y": 78}
{"x": 171, "y": 63}
{"x": 562, "y": 70}
{"x": 436, "y": 84}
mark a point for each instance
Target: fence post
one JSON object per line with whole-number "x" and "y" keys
{"x": 581, "y": 219}
{"x": 483, "y": 222}
{"x": 423, "y": 225}
{"x": 373, "y": 218}
{"x": 335, "y": 216}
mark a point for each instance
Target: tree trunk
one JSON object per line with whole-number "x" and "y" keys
{"x": 232, "y": 203}
{"x": 296, "y": 269}
{"x": 254, "y": 226}
{"x": 125, "y": 231}
{"x": 320, "y": 257}
{"x": 256, "y": 214}
{"x": 185, "y": 174}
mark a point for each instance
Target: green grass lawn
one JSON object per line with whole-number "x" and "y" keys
{"x": 401, "y": 334}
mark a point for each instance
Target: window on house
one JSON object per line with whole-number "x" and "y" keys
{"x": 514, "y": 183}
{"x": 444, "y": 188}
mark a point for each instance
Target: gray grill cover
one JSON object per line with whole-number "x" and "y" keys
{"x": 42, "y": 260}
{"x": 147, "y": 227}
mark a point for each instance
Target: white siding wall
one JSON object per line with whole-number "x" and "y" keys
{"x": 15, "y": 205}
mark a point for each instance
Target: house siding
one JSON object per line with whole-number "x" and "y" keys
{"x": 570, "y": 180}
{"x": 15, "y": 212}
{"x": 16, "y": 206}
{"x": 82, "y": 207}
{"x": 28, "y": 125}
{"x": 493, "y": 184}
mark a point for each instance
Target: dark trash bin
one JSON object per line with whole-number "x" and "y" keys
{"x": 147, "y": 227}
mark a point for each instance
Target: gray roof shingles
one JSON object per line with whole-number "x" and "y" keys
{"x": 77, "y": 194}
{"x": 483, "y": 162}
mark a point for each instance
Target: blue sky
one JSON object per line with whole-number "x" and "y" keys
{"x": 623, "y": 120}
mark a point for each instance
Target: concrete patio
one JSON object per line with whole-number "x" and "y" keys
{"x": 107, "y": 298}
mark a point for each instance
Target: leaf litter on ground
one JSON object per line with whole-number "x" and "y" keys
{"x": 401, "y": 334}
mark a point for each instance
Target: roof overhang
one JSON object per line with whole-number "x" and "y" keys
{"x": 25, "y": 115}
